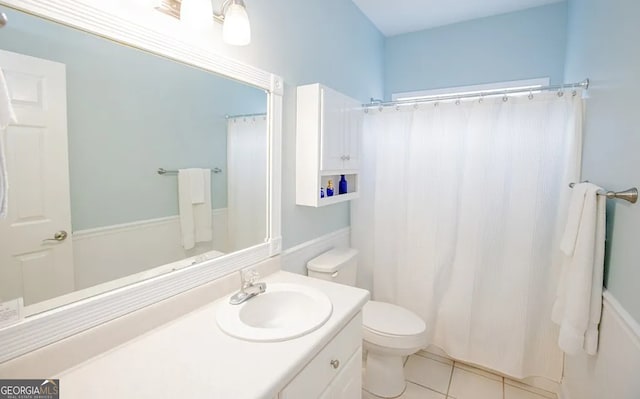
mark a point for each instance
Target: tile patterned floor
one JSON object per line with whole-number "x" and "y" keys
{"x": 430, "y": 376}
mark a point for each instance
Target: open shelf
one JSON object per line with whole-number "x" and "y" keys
{"x": 337, "y": 198}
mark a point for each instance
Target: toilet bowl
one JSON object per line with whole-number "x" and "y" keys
{"x": 390, "y": 332}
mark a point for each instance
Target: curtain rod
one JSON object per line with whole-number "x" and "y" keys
{"x": 163, "y": 171}
{"x": 630, "y": 195}
{"x": 244, "y": 116}
{"x": 478, "y": 94}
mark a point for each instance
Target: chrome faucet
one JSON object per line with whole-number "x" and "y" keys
{"x": 248, "y": 288}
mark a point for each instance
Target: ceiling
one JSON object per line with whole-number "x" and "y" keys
{"x": 393, "y": 17}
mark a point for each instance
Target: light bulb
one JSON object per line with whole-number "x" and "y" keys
{"x": 196, "y": 14}
{"x": 236, "y": 29}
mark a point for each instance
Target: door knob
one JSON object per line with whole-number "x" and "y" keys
{"x": 335, "y": 363}
{"x": 58, "y": 236}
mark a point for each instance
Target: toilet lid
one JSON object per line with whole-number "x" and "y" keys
{"x": 390, "y": 319}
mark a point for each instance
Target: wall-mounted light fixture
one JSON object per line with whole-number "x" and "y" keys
{"x": 236, "y": 29}
{"x": 193, "y": 14}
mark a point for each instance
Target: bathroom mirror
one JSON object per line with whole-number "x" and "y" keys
{"x": 96, "y": 200}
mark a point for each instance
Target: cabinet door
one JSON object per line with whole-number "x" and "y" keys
{"x": 332, "y": 129}
{"x": 348, "y": 383}
{"x": 312, "y": 381}
{"x": 353, "y": 135}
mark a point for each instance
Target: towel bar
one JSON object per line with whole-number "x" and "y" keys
{"x": 630, "y": 195}
{"x": 162, "y": 171}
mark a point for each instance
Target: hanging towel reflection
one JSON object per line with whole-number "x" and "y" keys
{"x": 194, "y": 200}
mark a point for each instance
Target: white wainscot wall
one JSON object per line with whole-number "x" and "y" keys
{"x": 295, "y": 259}
{"x": 614, "y": 372}
{"x": 113, "y": 252}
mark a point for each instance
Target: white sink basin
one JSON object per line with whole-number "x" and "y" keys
{"x": 284, "y": 311}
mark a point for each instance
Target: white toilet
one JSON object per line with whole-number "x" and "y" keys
{"x": 390, "y": 332}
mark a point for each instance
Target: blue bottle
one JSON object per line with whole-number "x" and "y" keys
{"x": 330, "y": 188}
{"x": 342, "y": 185}
{"x": 321, "y": 192}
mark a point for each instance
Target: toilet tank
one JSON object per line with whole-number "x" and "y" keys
{"x": 337, "y": 265}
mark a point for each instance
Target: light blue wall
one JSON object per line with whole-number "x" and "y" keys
{"x": 326, "y": 41}
{"x": 603, "y": 45}
{"x": 130, "y": 113}
{"x": 519, "y": 45}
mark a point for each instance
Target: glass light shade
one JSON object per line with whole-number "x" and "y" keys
{"x": 197, "y": 14}
{"x": 236, "y": 29}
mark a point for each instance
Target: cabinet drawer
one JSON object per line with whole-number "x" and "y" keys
{"x": 319, "y": 373}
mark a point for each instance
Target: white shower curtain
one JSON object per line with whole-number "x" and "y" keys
{"x": 459, "y": 218}
{"x": 247, "y": 181}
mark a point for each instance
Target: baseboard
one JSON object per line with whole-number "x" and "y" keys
{"x": 295, "y": 259}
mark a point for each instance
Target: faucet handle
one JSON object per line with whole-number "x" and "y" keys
{"x": 249, "y": 276}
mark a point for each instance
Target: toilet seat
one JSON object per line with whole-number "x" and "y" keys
{"x": 392, "y": 326}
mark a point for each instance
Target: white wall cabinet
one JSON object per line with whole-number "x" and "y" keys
{"x": 336, "y": 372}
{"x": 328, "y": 142}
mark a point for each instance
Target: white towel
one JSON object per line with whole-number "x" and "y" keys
{"x": 195, "y": 217}
{"x": 578, "y": 305}
{"x": 7, "y": 117}
{"x": 197, "y": 185}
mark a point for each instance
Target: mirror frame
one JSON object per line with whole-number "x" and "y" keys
{"x": 42, "y": 329}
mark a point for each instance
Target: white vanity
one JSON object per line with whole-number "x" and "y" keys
{"x": 190, "y": 357}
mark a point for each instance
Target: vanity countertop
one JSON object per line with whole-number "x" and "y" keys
{"x": 191, "y": 357}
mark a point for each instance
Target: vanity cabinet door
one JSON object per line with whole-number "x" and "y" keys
{"x": 347, "y": 384}
{"x": 330, "y": 364}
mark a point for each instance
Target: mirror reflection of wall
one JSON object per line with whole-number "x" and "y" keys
{"x": 90, "y": 168}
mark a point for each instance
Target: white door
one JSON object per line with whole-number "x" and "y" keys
{"x": 38, "y": 171}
